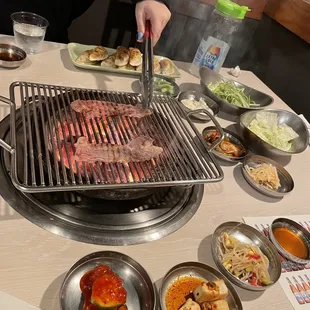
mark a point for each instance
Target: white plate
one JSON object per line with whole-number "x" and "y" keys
{"x": 76, "y": 49}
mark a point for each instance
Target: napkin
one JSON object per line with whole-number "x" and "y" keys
{"x": 306, "y": 123}
{"x": 8, "y": 302}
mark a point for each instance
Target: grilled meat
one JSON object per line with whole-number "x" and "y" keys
{"x": 138, "y": 150}
{"x": 97, "y": 108}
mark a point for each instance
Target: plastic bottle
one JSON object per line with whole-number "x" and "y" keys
{"x": 223, "y": 25}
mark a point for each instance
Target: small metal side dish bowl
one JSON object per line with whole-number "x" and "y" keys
{"x": 202, "y": 271}
{"x": 286, "y": 181}
{"x": 208, "y": 76}
{"x": 234, "y": 138}
{"x": 192, "y": 95}
{"x": 176, "y": 88}
{"x": 258, "y": 145}
{"x": 11, "y": 56}
{"x": 246, "y": 234}
{"x": 295, "y": 228}
{"x": 140, "y": 290}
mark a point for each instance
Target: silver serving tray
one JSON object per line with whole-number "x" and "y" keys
{"x": 140, "y": 290}
{"x": 202, "y": 271}
{"x": 250, "y": 235}
{"x": 208, "y": 76}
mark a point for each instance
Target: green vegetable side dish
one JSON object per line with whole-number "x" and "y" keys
{"x": 163, "y": 86}
{"x": 232, "y": 94}
{"x": 267, "y": 127}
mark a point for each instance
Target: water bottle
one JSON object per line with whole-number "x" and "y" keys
{"x": 223, "y": 26}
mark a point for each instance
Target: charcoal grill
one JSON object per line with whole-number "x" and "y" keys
{"x": 47, "y": 167}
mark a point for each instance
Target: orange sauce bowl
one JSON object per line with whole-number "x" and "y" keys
{"x": 291, "y": 239}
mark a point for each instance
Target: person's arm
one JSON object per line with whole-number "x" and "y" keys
{"x": 154, "y": 10}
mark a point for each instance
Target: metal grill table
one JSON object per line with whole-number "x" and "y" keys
{"x": 47, "y": 162}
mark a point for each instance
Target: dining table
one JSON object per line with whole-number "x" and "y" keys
{"x": 33, "y": 262}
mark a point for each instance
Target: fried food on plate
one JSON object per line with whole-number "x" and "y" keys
{"x": 166, "y": 67}
{"x": 122, "y": 56}
{"x": 190, "y": 305}
{"x": 109, "y": 62}
{"x": 135, "y": 57}
{"x": 84, "y": 58}
{"x": 99, "y": 53}
{"x": 210, "y": 291}
{"x": 156, "y": 66}
{"x": 215, "y": 305}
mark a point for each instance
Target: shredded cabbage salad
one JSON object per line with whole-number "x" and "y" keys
{"x": 232, "y": 94}
{"x": 266, "y": 126}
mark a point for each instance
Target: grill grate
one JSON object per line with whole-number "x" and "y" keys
{"x": 47, "y": 162}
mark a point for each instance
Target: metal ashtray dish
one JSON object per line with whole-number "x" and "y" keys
{"x": 200, "y": 271}
{"x": 192, "y": 95}
{"x": 286, "y": 181}
{"x": 11, "y": 56}
{"x": 249, "y": 235}
{"x": 208, "y": 76}
{"x": 291, "y": 240}
{"x": 233, "y": 138}
{"x": 140, "y": 290}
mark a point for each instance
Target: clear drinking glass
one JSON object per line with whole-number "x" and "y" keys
{"x": 29, "y": 31}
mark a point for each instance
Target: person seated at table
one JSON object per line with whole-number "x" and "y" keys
{"x": 61, "y": 13}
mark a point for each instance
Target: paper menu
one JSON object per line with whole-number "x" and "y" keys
{"x": 295, "y": 278}
{"x": 8, "y": 302}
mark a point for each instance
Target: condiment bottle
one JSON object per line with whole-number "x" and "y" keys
{"x": 224, "y": 24}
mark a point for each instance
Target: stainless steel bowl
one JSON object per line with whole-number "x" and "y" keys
{"x": 258, "y": 145}
{"x": 201, "y": 271}
{"x": 295, "y": 228}
{"x": 140, "y": 290}
{"x": 11, "y": 56}
{"x": 286, "y": 181}
{"x": 192, "y": 95}
{"x": 176, "y": 88}
{"x": 247, "y": 234}
{"x": 208, "y": 76}
{"x": 234, "y": 138}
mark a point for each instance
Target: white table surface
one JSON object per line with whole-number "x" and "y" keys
{"x": 33, "y": 262}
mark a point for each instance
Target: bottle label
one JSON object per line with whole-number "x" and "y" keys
{"x": 211, "y": 53}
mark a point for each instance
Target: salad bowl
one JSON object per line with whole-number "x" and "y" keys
{"x": 207, "y": 77}
{"x": 258, "y": 145}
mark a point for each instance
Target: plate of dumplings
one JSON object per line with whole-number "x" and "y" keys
{"x": 121, "y": 60}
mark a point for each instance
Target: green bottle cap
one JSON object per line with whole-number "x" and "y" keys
{"x": 232, "y": 9}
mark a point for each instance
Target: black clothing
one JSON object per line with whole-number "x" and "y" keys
{"x": 59, "y": 13}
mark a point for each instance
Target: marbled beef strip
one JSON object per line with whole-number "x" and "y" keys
{"x": 138, "y": 150}
{"x": 97, "y": 108}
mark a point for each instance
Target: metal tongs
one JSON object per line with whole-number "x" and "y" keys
{"x": 147, "y": 67}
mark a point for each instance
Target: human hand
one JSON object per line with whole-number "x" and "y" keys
{"x": 157, "y": 13}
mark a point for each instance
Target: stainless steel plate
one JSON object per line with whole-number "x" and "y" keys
{"x": 286, "y": 181}
{"x": 247, "y": 234}
{"x": 140, "y": 290}
{"x": 192, "y": 95}
{"x": 202, "y": 271}
{"x": 234, "y": 138}
{"x": 298, "y": 230}
{"x": 208, "y": 76}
